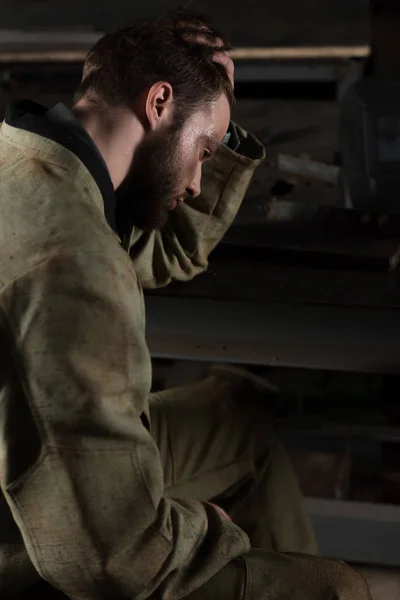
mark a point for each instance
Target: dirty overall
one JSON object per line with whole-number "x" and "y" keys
{"x": 92, "y": 501}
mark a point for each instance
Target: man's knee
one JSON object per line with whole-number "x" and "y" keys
{"x": 227, "y": 584}
{"x": 277, "y": 576}
{"x": 266, "y": 575}
{"x": 249, "y": 401}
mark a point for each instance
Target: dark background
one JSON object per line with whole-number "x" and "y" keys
{"x": 247, "y": 22}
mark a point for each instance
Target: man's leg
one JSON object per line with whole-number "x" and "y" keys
{"x": 217, "y": 443}
{"x": 263, "y": 575}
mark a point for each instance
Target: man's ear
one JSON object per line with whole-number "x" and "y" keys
{"x": 159, "y": 105}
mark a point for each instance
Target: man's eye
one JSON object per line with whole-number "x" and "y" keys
{"x": 206, "y": 154}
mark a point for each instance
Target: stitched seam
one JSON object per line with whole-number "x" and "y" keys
{"x": 248, "y": 584}
{"x": 169, "y": 442}
{"x": 16, "y": 356}
{"x": 43, "y": 452}
{"x": 37, "y": 151}
{"x": 72, "y": 158}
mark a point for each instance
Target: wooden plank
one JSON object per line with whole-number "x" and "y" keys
{"x": 301, "y": 52}
{"x": 53, "y": 55}
{"x": 71, "y": 46}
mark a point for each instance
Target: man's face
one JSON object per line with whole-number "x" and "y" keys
{"x": 166, "y": 167}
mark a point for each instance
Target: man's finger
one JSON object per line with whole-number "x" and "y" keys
{"x": 203, "y": 36}
{"x": 199, "y": 36}
{"x": 225, "y": 60}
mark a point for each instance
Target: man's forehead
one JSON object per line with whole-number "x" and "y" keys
{"x": 216, "y": 130}
{"x": 211, "y": 123}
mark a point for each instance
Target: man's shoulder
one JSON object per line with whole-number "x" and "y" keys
{"x": 45, "y": 209}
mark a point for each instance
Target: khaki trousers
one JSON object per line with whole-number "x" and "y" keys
{"x": 218, "y": 443}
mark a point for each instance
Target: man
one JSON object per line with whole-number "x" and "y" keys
{"x": 105, "y": 494}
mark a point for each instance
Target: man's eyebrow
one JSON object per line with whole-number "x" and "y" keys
{"x": 211, "y": 139}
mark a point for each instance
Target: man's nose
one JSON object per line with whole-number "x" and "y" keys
{"x": 194, "y": 189}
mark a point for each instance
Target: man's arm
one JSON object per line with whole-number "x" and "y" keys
{"x": 180, "y": 250}
{"x": 79, "y": 470}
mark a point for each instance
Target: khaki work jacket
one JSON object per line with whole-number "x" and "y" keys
{"x": 82, "y": 503}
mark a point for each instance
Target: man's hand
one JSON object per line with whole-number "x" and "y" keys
{"x": 223, "y": 58}
{"x": 221, "y": 55}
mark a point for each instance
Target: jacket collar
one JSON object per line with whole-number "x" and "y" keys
{"x": 60, "y": 125}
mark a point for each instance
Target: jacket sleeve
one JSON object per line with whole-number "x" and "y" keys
{"x": 180, "y": 250}
{"x": 81, "y": 472}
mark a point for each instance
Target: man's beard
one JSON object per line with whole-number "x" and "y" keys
{"x": 153, "y": 182}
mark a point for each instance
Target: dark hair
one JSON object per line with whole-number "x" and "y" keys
{"x": 122, "y": 64}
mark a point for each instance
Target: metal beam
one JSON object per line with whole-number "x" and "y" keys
{"x": 316, "y": 337}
